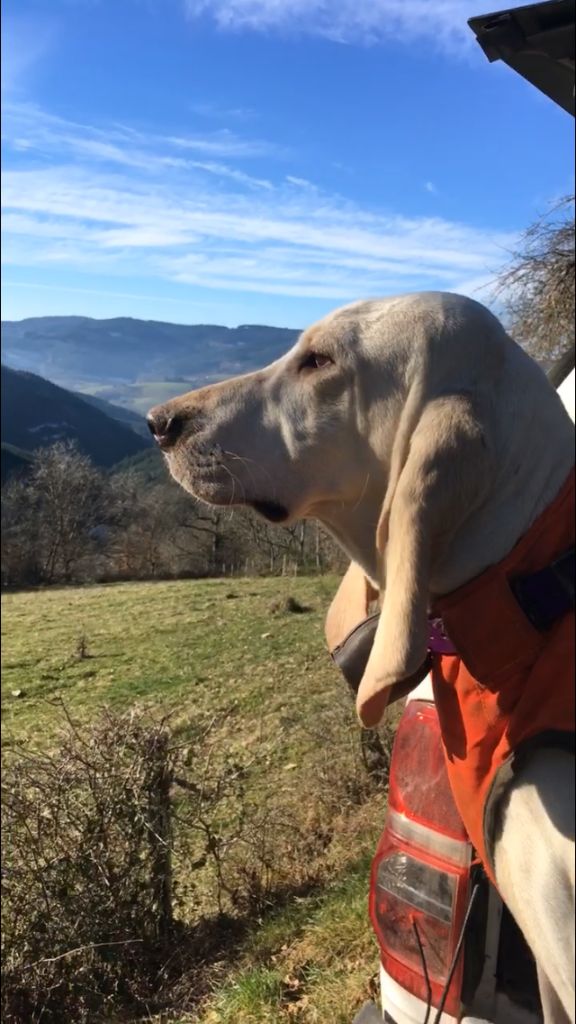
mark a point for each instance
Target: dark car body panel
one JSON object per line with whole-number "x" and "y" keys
{"x": 536, "y": 41}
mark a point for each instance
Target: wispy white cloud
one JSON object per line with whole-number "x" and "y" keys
{"x": 215, "y": 112}
{"x": 224, "y": 143}
{"x": 430, "y": 187}
{"x": 121, "y": 202}
{"x": 441, "y": 23}
{"x": 233, "y": 174}
{"x": 300, "y": 182}
{"x": 26, "y": 126}
{"x": 102, "y": 292}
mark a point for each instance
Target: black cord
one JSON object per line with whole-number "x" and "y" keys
{"x": 457, "y": 951}
{"x": 424, "y": 971}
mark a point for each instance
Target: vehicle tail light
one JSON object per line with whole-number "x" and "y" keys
{"x": 421, "y": 872}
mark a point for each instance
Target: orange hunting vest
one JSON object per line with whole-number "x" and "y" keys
{"x": 510, "y": 686}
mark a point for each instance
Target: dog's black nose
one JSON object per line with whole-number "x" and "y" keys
{"x": 165, "y": 428}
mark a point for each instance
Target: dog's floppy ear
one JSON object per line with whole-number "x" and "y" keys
{"x": 438, "y": 477}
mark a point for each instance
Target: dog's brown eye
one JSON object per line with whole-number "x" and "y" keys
{"x": 315, "y": 361}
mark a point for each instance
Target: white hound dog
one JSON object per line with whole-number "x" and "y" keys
{"x": 427, "y": 443}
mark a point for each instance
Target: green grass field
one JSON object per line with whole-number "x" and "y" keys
{"x": 188, "y": 645}
{"x": 199, "y": 649}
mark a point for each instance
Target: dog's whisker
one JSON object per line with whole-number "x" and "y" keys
{"x": 362, "y": 493}
{"x": 235, "y": 481}
{"x": 245, "y": 462}
{"x": 261, "y": 469}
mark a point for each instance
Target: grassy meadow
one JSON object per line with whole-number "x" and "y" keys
{"x": 230, "y": 653}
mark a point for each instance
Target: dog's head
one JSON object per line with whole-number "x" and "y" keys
{"x": 380, "y": 423}
{"x": 296, "y": 436}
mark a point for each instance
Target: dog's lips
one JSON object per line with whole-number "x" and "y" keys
{"x": 211, "y": 482}
{"x": 200, "y": 472}
{"x": 198, "y": 475}
{"x": 271, "y": 510}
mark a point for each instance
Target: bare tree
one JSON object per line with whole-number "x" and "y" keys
{"x": 20, "y": 557}
{"x": 68, "y": 493}
{"x": 538, "y": 284}
{"x": 53, "y": 513}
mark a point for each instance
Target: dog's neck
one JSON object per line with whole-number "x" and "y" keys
{"x": 354, "y": 530}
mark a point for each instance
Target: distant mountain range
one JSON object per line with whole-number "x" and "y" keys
{"x": 137, "y": 363}
{"x": 36, "y": 413}
{"x": 103, "y": 375}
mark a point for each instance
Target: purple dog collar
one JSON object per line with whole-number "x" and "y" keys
{"x": 438, "y": 640}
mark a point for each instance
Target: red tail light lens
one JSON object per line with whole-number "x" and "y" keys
{"x": 420, "y": 875}
{"x": 419, "y": 786}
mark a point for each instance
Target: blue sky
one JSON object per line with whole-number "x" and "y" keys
{"x": 261, "y": 161}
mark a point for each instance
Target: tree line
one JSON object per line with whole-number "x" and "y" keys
{"x": 67, "y": 521}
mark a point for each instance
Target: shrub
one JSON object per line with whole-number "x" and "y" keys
{"x": 86, "y": 905}
{"x": 131, "y": 859}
